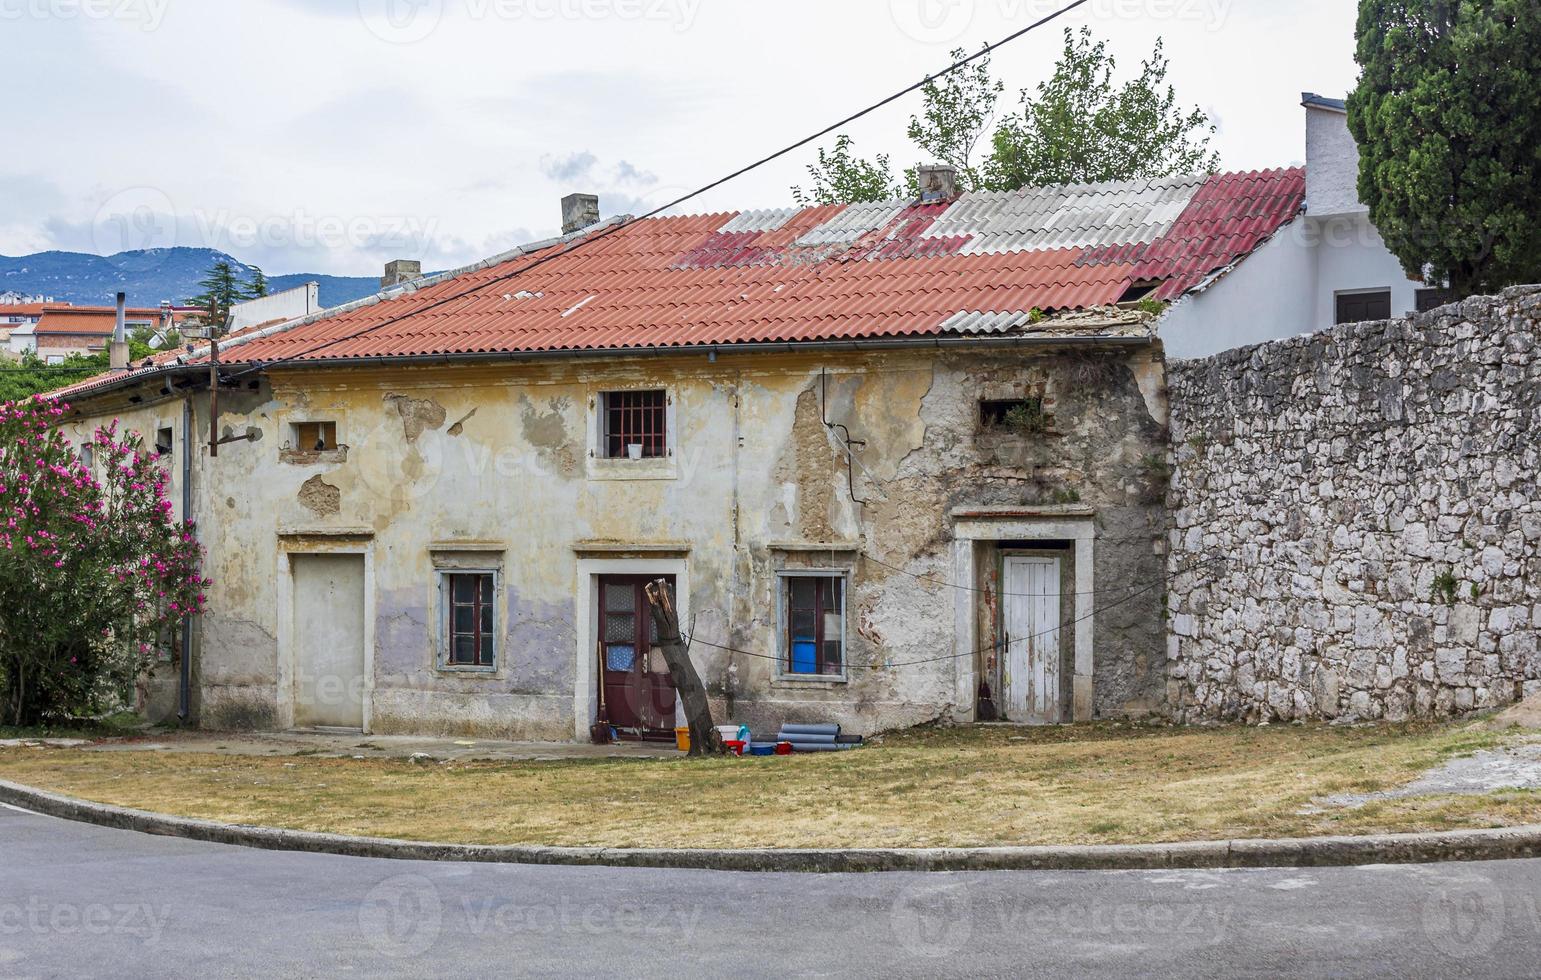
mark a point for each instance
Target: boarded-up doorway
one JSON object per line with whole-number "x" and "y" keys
{"x": 328, "y": 640}
{"x": 1031, "y": 684}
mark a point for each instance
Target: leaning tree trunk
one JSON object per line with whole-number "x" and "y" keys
{"x": 704, "y": 737}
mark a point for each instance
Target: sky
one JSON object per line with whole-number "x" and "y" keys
{"x": 330, "y": 136}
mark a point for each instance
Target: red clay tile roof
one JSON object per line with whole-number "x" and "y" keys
{"x": 885, "y": 270}
{"x": 87, "y": 321}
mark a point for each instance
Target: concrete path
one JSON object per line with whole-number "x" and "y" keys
{"x": 83, "y": 901}
{"x": 343, "y": 746}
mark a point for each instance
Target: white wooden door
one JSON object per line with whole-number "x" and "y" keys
{"x": 1030, "y": 669}
{"x": 328, "y": 641}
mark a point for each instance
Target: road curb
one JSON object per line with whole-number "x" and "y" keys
{"x": 1307, "y": 852}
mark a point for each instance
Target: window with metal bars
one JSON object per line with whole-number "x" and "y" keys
{"x": 814, "y": 630}
{"x": 636, "y": 424}
{"x": 469, "y": 610}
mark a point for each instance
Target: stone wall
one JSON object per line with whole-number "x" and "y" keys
{"x": 1356, "y": 522}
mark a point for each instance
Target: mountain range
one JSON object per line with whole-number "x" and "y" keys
{"x": 149, "y": 277}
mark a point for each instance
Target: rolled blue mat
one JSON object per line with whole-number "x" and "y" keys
{"x": 796, "y": 738}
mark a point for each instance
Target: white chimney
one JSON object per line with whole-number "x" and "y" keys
{"x": 1332, "y": 159}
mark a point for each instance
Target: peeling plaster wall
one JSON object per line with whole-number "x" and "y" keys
{"x": 498, "y": 459}
{"x": 1373, "y": 490}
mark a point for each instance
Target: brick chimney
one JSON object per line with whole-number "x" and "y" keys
{"x": 579, "y": 211}
{"x": 399, "y": 271}
{"x": 117, "y": 351}
{"x": 938, "y": 182}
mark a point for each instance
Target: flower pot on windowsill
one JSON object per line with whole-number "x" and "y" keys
{"x": 634, "y": 451}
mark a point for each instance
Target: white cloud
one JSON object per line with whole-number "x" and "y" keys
{"x": 336, "y": 149}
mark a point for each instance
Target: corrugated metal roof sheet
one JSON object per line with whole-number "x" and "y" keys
{"x": 978, "y": 265}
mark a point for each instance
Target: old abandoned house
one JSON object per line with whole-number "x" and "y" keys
{"x": 892, "y": 456}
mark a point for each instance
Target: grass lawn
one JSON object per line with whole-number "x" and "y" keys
{"x": 964, "y": 787}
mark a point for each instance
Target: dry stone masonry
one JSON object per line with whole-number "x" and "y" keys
{"x": 1356, "y": 526}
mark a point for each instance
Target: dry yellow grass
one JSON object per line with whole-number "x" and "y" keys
{"x": 961, "y": 787}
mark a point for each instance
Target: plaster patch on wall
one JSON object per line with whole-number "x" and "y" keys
{"x": 320, "y": 497}
{"x": 418, "y": 415}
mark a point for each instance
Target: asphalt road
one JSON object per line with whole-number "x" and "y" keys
{"x": 81, "y": 901}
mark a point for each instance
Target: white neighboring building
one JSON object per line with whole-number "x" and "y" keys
{"x": 291, "y": 304}
{"x": 1329, "y": 266}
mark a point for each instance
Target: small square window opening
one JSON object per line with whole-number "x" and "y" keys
{"x": 635, "y": 424}
{"x": 1014, "y": 414}
{"x": 313, "y": 437}
{"x": 165, "y": 441}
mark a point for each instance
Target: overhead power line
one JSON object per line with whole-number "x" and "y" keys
{"x": 983, "y": 52}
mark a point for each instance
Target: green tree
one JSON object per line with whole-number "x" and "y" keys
{"x": 840, "y": 177}
{"x": 1080, "y": 127}
{"x": 1447, "y": 114}
{"x": 957, "y": 112}
{"x": 222, "y": 289}
{"x": 257, "y": 285}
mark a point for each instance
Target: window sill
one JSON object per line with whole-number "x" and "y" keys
{"x": 466, "y": 671}
{"x": 816, "y": 681}
{"x": 297, "y": 457}
{"x": 632, "y": 469}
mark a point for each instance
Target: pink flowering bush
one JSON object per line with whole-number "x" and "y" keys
{"x": 91, "y": 572}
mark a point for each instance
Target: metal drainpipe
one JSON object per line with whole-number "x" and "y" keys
{"x": 185, "y": 685}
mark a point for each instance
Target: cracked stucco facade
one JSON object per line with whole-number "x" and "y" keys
{"x": 495, "y": 462}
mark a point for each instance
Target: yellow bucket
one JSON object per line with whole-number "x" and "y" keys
{"x": 682, "y": 739}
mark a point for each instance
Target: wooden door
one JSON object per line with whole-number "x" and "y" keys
{"x": 1030, "y": 672}
{"x": 638, "y": 690}
{"x": 328, "y": 641}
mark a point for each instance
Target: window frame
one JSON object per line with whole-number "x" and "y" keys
{"x": 1347, "y": 294}
{"x": 321, "y": 430}
{"x": 784, "y": 579}
{"x": 605, "y": 410}
{"x": 446, "y": 614}
{"x": 600, "y": 466}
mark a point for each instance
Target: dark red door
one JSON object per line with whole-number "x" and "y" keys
{"x": 639, "y": 693}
